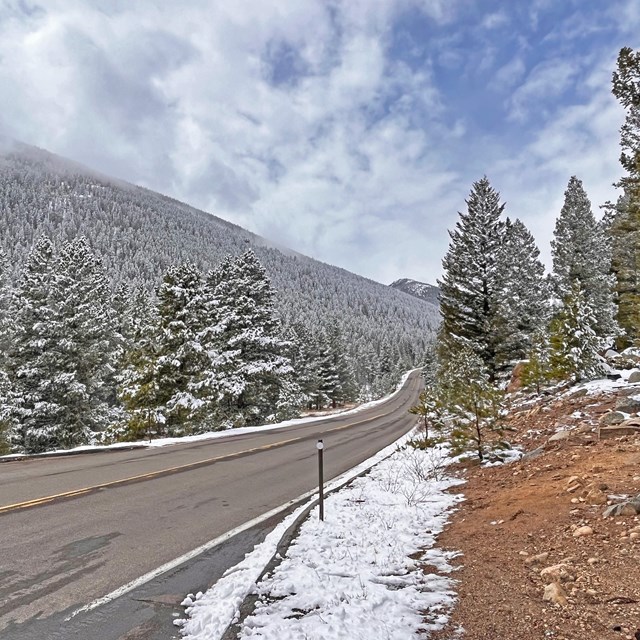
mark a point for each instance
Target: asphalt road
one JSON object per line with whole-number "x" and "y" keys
{"x": 76, "y": 528}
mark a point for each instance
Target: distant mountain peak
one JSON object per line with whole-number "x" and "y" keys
{"x": 421, "y": 290}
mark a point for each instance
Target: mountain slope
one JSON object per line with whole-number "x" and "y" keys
{"x": 139, "y": 233}
{"x": 421, "y": 290}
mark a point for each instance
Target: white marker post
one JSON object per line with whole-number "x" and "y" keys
{"x": 320, "y": 447}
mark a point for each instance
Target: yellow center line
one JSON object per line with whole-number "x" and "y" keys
{"x": 153, "y": 474}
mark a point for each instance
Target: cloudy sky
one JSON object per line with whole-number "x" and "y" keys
{"x": 349, "y": 130}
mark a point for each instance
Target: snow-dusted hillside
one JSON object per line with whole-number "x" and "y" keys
{"x": 139, "y": 233}
{"x": 417, "y": 289}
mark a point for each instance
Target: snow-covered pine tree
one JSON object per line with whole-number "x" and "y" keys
{"x": 580, "y": 254}
{"x": 345, "y": 390}
{"x": 625, "y": 229}
{"x": 181, "y": 357}
{"x": 6, "y": 294}
{"x": 523, "y": 296}
{"x": 5, "y": 412}
{"x": 5, "y": 342}
{"x": 32, "y": 364}
{"x": 88, "y": 349}
{"x": 219, "y": 381}
{"x": 249, "y": 334}
{"x": 575, "y": 345}
{"x": 329, "y": 386}
{"x": 138, "y": 388}
{"x": 470, "y": 284}
{"x": 302, "y": 355}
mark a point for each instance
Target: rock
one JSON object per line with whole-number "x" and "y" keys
{"x": 558, "y": 573}
{"x": 611, "y": 353}
{"x": 538, "y": 559}
{"x": 634, "y": 376}
{"x": 592, "y": 561}
{"x": 561, "y": 435}
{"x": 515, "y": 382}
{"x": 627, "y": 391}
{"x": 627, "y": 508}
{"x": 531, "y": 455}
{"x": 580, "y": 393}
{"x": 634, "y": 535}
{"x": 596, "y": 496}
{"x": 555, "y": 593}
{"x": 628, "y": 404}
{"x": 612, "y": 418}
{"x": 627, "y": 428}
{"x": 582, "y": 531}
{"x": 573, "y": 484}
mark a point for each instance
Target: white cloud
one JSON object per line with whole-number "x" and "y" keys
{"x": 354, "y": 157}
{"x": 546, "y": 80}
{"x": 507, "y": 76}
{"x": 495, "y": 20}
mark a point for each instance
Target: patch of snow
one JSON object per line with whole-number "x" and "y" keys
{"x": 351, "y": 576}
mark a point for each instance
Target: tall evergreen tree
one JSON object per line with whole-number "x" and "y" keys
{"x": 6, "y": 331}
{"x": 6, "y": 294}
{"x": 625, "y": 229}
{"x": 32, "y": 365}
{"x": 138, "y": 387}
{"x": 180, "y": 354}
{"x": 523, "y": 296}
{"x": 249, "y": 344}
{"x": 470, "y": 284}
{"x": 87, "y": 351}
{"x": 580, "y": 255}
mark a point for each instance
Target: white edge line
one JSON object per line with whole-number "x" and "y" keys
{"x": 172, "y": 564}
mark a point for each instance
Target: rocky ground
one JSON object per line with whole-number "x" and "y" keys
{"x": 539, "y": 560}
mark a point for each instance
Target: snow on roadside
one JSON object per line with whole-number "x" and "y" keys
{"x": 212, "y": 435}
{"x": 353, "y": 575}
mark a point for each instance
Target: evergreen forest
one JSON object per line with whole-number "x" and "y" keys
{"x": 125, "y": 314}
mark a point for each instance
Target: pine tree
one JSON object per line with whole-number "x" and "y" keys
{"x": 432, "y": 410}
{"x": 536, "y": 371}
{"x": 5, "y": 412}
{"x": 472, "y": 402}
{"x": 625, "y": 229}
{"x": 301, "y": 354}
{"x": 345, "y": 389}
{"x": 470, "y": 285}
{"x": 574, "y": 342}
{"x": 6, "y": 295}
{"x": 580, "y": 255}
{"x": 6, "y": 331}
{"x": 255, "y": 379}
{"x": 180, "y": 354}
{"x": 523, "y": 297}
{"x": 32, "y": 364}
{"x": 87, "y": 351}
{"x": 138, "y": 388}
{"x": 219, "y": 381}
